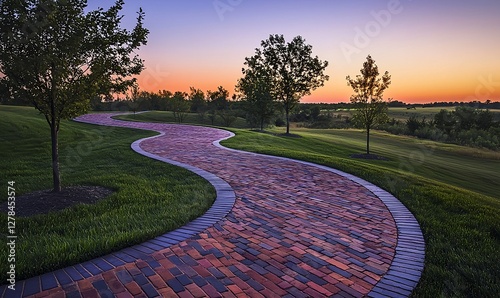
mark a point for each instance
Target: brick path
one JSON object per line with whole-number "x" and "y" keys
{"x": 296, "y": 230}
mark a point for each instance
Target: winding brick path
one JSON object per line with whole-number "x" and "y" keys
{"x": 296, "y": 230}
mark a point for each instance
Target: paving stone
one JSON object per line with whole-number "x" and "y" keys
{"x": 62, "y": 277}
{"x": 91, "y": 268}
{"x": 103, "y": 265}
{"x": 74, "y": 294}
{"x": 175, "y": 285}
{"x": 147, "y": 271}
{"x": 48, "y": 281}
{"x": 149, "y": 290}
{"x": 133, "y": 288}
{"x": 31, "y": 286}
{"x": 113, "y": 260}
{"x": 277, "y": 226}
{"x": 140, "y": 279}
{"x": 124, "y": 276}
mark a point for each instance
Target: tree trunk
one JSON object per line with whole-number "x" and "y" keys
{"x": 368, "y": 140}
{"x": 54, "y": 129}
{"x": 55, "y": 157}
{"x": 262, "y": 124}
{"x": 287, "y": 120}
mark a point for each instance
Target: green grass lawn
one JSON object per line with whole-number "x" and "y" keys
{"x": 150, "y": 197}
{"x": 191, "y": 118}
{"x": 453, "y": 191}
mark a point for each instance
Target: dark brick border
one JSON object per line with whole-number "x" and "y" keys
{"x": 225, "y": 199}
{"x": 400, "y": 280}
{"x": 408, "y": 263}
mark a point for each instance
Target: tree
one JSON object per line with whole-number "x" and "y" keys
{"x": 220, "y": 105}
{"x": 179, "y": 105}
{"x": 133, "y": 98}
{"x": 58, "y": 57}
{"x": 367, "y": 100}
{"x": 484, "y": 119}
{"x": 413, "y": 124}
{"x": 256, "y": 88}
{"x": 466, "y": 117}
{"x": 198, "y": 102}
{"x": 293, "y": 71}
{"x": 445, "y": 120}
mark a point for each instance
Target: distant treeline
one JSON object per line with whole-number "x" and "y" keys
{"x": 488, "y": 104}
{"x": 464, "y": 125}
{"x": 144, "y": 100}
{"x": 470, "y": 123}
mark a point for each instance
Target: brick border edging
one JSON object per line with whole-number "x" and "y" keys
{"x": 224, "y": 202}
{"x": 399, "y": 281}
{"x": 408, "y": 262}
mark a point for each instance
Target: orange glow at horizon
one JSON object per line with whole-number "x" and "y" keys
{"x": 434, "y": 50}
{"x": 481, "y": 89}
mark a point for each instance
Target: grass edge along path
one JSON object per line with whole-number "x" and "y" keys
{"x": 150, "y": 197}
{"x": 461, "y": 227}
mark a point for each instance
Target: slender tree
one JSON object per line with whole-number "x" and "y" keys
{"x": 256, "y": 89}
{"x": 292, "y": 68}
{"x": 371, "y": 109}
{"x": 179, "y": 106}
{"x": 57, "y": 56}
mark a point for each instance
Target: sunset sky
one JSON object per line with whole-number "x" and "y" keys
{"x": 435, "y": 50}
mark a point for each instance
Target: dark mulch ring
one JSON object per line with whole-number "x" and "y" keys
{"x": 289, "y": 135}
{"x": 368, "y": 156}
{"x": 45, "y": 201}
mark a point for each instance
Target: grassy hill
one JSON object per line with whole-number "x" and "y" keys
{"x": 453, "y": 191}
{"x": 150, "y": 197}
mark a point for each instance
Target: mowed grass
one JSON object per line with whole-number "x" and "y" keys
{"x": 150, "y": 197}
{"x": 453, "y": 191}
{"x": 190, "y": 118}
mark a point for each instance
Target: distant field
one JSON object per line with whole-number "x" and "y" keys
{"x": 402, "y": 114}
{"x": 428, "y": 113}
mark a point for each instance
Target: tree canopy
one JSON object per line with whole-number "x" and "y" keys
{"x": 58, "y": 57}
{"x": 291, "y": 69}
{"x": 256, "y": 89}
{"x": 371, "y": 109}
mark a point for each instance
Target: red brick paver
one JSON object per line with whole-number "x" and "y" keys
{"x": 295, "y": 229}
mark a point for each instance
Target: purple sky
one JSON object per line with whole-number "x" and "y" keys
{"x": 434, "y": 50}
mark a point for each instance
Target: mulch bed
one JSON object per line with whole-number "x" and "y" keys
{"x": 45, "y": 201}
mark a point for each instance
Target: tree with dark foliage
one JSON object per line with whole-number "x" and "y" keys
{"x": 293, "y": 71}
{"x": 58, "y": 57}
